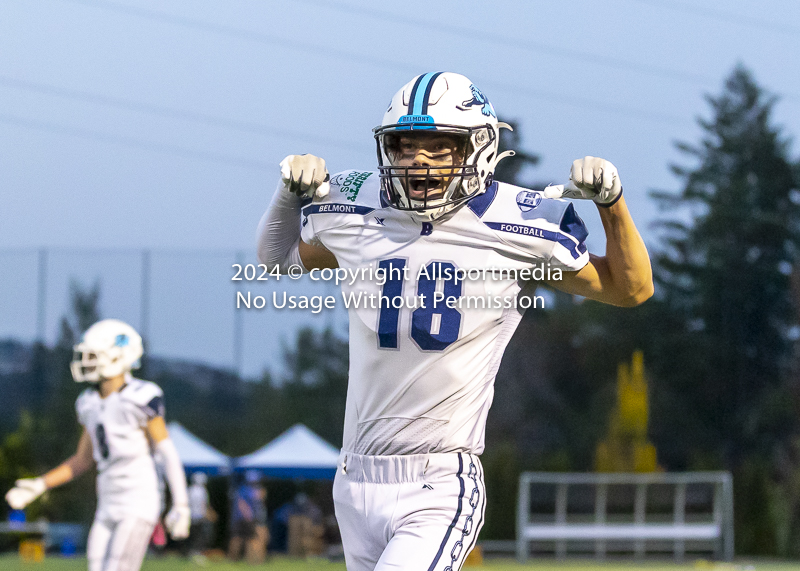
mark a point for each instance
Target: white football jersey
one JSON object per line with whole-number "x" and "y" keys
{"x": 127, "y": 483}
{"x": 425, "y": 343}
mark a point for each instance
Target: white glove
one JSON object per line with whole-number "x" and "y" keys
{"x": 592, "y": 179}
{"x": 177, "y": 522}
{"x": 25, "y": 492}
{"x": 305, "y": 176}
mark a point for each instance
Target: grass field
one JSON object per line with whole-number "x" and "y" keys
{"x": 12, "y": 563}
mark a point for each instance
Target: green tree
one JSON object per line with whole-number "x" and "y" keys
{"x": 501, "y": 477}
{"x": 726, "y": 270}
{"x": 59, "y": 410}
{"x": 48, "y": 430}
{"x": 315, "y": 389}
{"x": 731, "y": 241}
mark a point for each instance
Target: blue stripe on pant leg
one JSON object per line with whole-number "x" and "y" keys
{"x": 479, "y": 522}
{"x": 475, "y": 495}
{"x": 455, "y": 519}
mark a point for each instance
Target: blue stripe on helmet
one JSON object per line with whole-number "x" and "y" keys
{"x": 428, "y": 89}
{"x": 418, "y": 102}
{"x": 413, "y": 96}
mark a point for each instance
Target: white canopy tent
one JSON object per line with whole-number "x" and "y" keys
{"x": 297, "y": 453}
{"x": 196, "y": 455}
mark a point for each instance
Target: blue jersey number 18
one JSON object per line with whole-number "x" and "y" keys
{"x": 433, "y": 328}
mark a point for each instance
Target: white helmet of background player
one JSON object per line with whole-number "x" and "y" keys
{"x": 432, "y": 104}
{"x": 106, "y": 350}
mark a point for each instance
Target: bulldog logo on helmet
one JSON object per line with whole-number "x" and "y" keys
{"x": 478, "y": 98}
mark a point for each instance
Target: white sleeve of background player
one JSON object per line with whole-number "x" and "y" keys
{"x": 278, "y": 236}
{"x": 80, "y": 407}
{"x": 173, "y": 471}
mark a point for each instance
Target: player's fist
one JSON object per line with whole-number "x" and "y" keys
{"x": 597, "y": 179}
{"x": 177, "y": 522}
{"x": 25, "y": 492}
{"x": 305, "y": 175}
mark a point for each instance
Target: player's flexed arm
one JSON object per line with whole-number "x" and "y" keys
{"x": 278, "y": 242}
{"x": 623, "y": 276}
{"x": 28, "y": 489}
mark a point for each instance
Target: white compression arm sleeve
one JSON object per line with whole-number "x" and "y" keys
{"x": 278, "y": 238}
{"x": 173, "y": 468}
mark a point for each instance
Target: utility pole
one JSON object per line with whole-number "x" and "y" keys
{"x": 238, "y": 324}
{"x": 41, "y": 298}
{"x": 144, "y": 315}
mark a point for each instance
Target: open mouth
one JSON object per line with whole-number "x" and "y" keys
{"x": 422, "y": 188}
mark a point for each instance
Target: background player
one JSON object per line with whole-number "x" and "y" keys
{"x": 123, "y": 422}
{"x": 409, "y": 491}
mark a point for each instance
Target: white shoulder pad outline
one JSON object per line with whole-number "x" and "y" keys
{"x": 147, "y": 396}
{"x": 83, "y": 402}
{"x": 520, "y": 215}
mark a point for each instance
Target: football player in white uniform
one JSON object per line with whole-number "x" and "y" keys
{"x": 123, "y": 423}
{"x": 422, "y": 235}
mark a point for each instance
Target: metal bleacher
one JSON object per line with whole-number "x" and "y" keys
{"x": 676, "y": 513}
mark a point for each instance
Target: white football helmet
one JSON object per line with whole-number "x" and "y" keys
{"x": 106, "y": 350}
{"x": 436, "y": 103}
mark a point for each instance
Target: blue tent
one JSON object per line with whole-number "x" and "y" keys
{"x": 297, "y": 453}
{"x": 196, "y": 455}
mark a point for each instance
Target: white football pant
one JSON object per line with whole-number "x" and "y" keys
{"x": 118, "y": 545}
{"x": 416, "y": 513}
